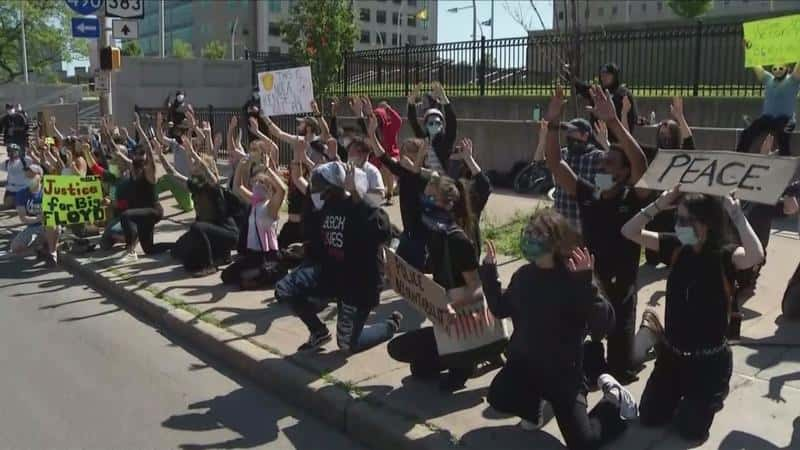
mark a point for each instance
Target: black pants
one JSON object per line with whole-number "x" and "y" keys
{"x": 140, "y": 223}
{"x": 791, "y": 297}
{"x": 621, "y": 338}
{"x": 418, "y": 348}
{"x": 252, "y": 260}
{"x": 206, "y": 243}
{"x": 762, "y": 126}
{"x": 519, "y": 390}
{"x": 291, "y": 233}
{"x": 690, "y": 389}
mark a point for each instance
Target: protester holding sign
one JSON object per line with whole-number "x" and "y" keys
{"x": 552, "y": 303}
{"x": 605, "y": 205}
{"x": 780, "y": 101}
{"x": 35, "y": 236}
{"x": 694, "y": 362}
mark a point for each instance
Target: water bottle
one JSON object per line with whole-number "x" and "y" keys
{"x": 652, "y": 117}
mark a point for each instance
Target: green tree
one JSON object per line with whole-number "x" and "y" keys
{"x": 213, "y": 50}
{"x": 319, "y": 32}
{"x": 181, "y": 49}
{"x": 131, "y": 48}
{"x": 690, "y": 9}
{"x": 48, "y": 40}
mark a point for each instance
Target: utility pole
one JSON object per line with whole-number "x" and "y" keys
{"x": 492, "y": 19}
{"x": 105, "y": 42}
{"x": 24, "y": 42}
{"x": 474, "y": 41}
{"x": 233, "y": 39}
{"x": 161, "y": 27}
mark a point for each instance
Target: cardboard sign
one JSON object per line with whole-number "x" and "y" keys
{"x": 284, "y": 92}
{"x": 772, "y": 41}
{"x": 72, "y": 199}
{"x": 756, "y": 178}
{"x": 472, "y": 328}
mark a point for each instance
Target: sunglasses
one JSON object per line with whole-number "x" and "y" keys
{"x": 778, "y": 69}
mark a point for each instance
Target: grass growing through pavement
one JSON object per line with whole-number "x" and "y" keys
{"x": 505, "y": 236}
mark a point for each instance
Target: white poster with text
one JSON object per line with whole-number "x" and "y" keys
{"x": 285, "y": 92}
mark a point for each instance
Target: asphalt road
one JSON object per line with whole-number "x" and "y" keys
{"x": 76, "y": 371}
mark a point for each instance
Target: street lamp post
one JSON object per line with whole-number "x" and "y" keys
{"x": 24, "y": 42}
{"x": 474, "y": 31}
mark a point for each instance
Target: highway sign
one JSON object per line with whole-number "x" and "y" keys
{"x": 125, "y": 29}
{"x": 85, "y": 27}
{"x": 84, "y": 7}
{"x": 126, "y": 9}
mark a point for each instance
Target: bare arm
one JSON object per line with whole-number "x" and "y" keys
{"x": 796, "y": 71}
{"x": 25, "y": 218}
{"x": 323, "y": 125}
{"x": 676, "y": 111}
{"x": 751, "y": 253}
{"x": 604, "y": 110}
{"x": 280, "y": 134}
{"x": 761, "y": 74}
{"x": 56, "y": 132}
{"x": 634, "y": 230}
{"x": 474, "y": 290}
{"x": 238, "y": 181}
{"x": 562, "y": 174}
{"x": 278, "y": 188}
{"x": 296, "y": 169}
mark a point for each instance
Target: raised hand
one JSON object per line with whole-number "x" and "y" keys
{"x": 356, "y": 105}
{"x": 437, "y": 90}
{"x": 414, "y": 95}
{"x": 668, "y": 199}
{"x": 299, "y": 151}
{"x": 603, "y": 107}
{"x": 372, "y": 124}
{"x": 555, "y": 107}
{"x": 234, "y": 122}
{"x": 350, "y": 179}
{"x": 731, "y": 204}
{"x": 601, "y": 131}
{"x": 491, "y": 253}
{"x": 675, "y": 109}
{"x": 314, "y": 107}
{"x": 368, "y": 110}
{"x": 252, "y": 125}
{"x": 581, "y": 260}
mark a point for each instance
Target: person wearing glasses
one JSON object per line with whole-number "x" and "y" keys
{"x": 693, "y": 366}
{"x": 780, "y": 103}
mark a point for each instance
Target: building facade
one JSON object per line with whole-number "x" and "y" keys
{"x": 382, "y": 23}
{"x": 609, "y": 13}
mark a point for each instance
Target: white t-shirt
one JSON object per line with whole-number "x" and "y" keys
{"x": 432, "y": 160}
{"x": 374, "y": 178}
{"x": 16, "y": 180}
{"x": 262, "y": 232}
{"x": 181, "y": 158}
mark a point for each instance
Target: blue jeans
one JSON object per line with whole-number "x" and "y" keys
{"x": 412, "y": 249}
{"x": 306, "y": 282}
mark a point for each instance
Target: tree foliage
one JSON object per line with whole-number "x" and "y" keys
{"x": 213, "y": 50}
{"x": 319, "y": 32}
{"x": 690, "y": 9}
{"x": 182, "y": 49}
{"x": 47, "y": 34}
{"x": 131, "y": 48}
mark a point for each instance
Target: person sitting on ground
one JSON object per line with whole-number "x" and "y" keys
{"x": 345, "y": 239}
{"x": 358, "y": 154}
{"x": 265, "y": 196}
{"x": 477, "y": 183}
{"x": 693, "y": 359}
{"x": 440, "y": 128}
{"x": 213, "y": 235}
{"x": 182, "y": 163}
{"x": 553, "y": 304}
{"x": 16, "y": 180}
{"x": 606, "y": 204}
{"x": 115, "y": 180}
{"x": 780, "y": 104}
{"x": 452, "y": 259}
{"x": 35, "y": 237}
{"x": 624, "y": 103}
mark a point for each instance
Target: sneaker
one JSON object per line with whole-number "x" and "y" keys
{"x": 527, "y": 425}
{"x": 619, "y": 396}
{"x": 128, "y": 257}
{"x": 316, "y": 341}
{"x": 394, "y": 321}
{"x": 51, "y": 260}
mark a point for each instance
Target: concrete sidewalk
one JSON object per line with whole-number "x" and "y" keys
{"x": 374, "y": 399}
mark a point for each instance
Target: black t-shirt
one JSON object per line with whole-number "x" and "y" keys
{"x": 14, "y": 126}
{"x": 616, "y": 258}
{"x": 451, "y": 253}
{"x": 141, "y": 193}
{"x": 411, "y": 186}
{"x": 209, "y": 201}
{"x": 696, "y": 313}
{"x": 295, "y": 200}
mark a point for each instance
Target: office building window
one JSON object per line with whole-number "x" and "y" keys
{"x": 398, "y": 1}
{"x": 412, "y": 2}
{"x": 411, "y": 21}
{"x": 644, "y": 7}
{"x": 395, "y": 18}
{"x": 412, "y": 40}
{"x": 394, "y": 39}
{"x": 365, "y": 36}
{"x": 274, "y": 29}
{"x": 586, "y": 13}
{"x": 380, "y": 16}
{"x": 275, "y": 6}
{"x": 363, "y": 15}
{"x": 561, "y": 15}
{"x": 380, "y": 38}
{"x": 274, "y": 50}
{"x": 660, "y": 6}
{"x": 614, "y": 10}
{"x": 601, "y": 12}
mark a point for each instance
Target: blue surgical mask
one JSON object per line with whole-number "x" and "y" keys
{"x": 428, "y": 203}
{"x": 603, "y": 181}
{"x": 686, "y": 235}
{"x": 318, "y": 201}
{"x": 533, "y": 248}
{"x": 434, "y": 128}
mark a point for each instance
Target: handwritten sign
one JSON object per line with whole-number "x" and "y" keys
{"x": 288, "y": 91}
{"x": 772, "y": 41}
{"x": 472, "y": 328}
{"x": 72, "y": 199}
{"x": 757, "y": 178}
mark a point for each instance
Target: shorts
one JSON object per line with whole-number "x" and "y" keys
{"x": 30, "y": 237}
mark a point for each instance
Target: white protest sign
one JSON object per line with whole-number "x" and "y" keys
{"x": 473, "y": 327}
{"x": 757, "y": 178}
{"x": 284, "y": 92}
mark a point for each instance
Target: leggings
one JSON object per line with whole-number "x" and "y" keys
{"x": 140, "y": 223}
{"x": 519, "y": 390}
{"x": 211, "y": 243}
{"x": 418, "y": 348}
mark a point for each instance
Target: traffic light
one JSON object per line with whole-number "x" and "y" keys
{"x": 110, "y": 58}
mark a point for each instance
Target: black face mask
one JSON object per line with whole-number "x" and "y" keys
{"x": 576, "y": 145}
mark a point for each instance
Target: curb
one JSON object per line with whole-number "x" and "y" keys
{"x": 364, "y": 421}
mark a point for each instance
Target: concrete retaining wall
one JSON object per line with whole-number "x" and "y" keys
{"x": 33, "y": 96}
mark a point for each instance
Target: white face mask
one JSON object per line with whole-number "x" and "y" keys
{"x": 603, "y": 181}
{"x": 374, "y": 198}
{"x": 434, "y": 129}
{"x": 346, "y": 141}
{"x": 316, "y": 198}
{"x": 686, "y": 235}
{"x": 179, "y": 98}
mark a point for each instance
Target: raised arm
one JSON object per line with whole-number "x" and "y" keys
{"x": 323, "y": 125}
{"x": 280, "y": 134}
{"x": 412, "y": 113}
{"x": 796, "y": 71}
{"x": 208, "y": 173}
{"x": 751, "y": 252}
{"x": 634, "y": 230}
{"x": 451, "y": 123}
{"x": 676, "y": 111}
{"x": 761, "y": 74}
{"x": 239, "y": 178}
{"x": 56, "y": 132}
{"x": 278, "y": 189}
{"x": 561, "y": 172}
{"x": 296, "y": 167}
{"x": 234, "y": 137}
{"x": 581, "y": 88}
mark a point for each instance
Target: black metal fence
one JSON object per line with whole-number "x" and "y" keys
{"x": 694, "y": 60}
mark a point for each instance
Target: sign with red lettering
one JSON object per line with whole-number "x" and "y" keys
{"x": 72, "y": 199}
{"x": 757, "y": 178}
{"x": 470, "y": 328}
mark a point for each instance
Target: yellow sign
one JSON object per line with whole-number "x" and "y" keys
{"x": 72, "y": 199}
{"x": 267, "y": 80}
{"x": 772, "y": 41}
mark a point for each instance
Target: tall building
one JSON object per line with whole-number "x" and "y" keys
{"x": 382, "y": 23}
{"x": 610, "y": 13}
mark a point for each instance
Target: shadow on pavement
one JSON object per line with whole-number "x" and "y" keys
{"x": 736, "y": 440}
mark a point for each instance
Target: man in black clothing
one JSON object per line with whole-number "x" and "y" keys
{"x": 15, "y": 129}
{"x": 440, "y": 131}
{"x": 622, "y": 97}
{"x": 345, "y": 237}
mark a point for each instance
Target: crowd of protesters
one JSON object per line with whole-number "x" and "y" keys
{"x": 577, "y": 289}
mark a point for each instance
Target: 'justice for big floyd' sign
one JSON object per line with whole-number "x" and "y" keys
{"x": 756, "y": 178}
{"x": 72, "y": 199}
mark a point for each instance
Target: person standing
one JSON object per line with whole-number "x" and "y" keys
{"x": 778, "y": 112}
{"x": 15, "y": 128}
{"x": 624, "y": 103}
{"x": 694, "y": 362}
{"x": 16, "y": 180}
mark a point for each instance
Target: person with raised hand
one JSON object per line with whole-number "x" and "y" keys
{"x": 621, "y": 96}
{"x": 299, "y": 168}
{"x": 35, "y": 236}
{"x": 181, "y": 160}
{"x": 694, "y": 362}
{"x": 554, "y": 305}
{"x": 440, "y": 128}
{"x": 345, "y": 237}
{"x": 606, "y": 204}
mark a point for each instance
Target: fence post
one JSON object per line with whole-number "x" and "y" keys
{"x": 346, "y": 75}
{"x": 211, "y": 117}
{"x": 482, "y": 67}
{"x": 406, "y": 69}
{"x": 697, "y": 59}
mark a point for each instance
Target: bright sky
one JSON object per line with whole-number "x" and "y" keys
{"x": 455, "y": 27}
